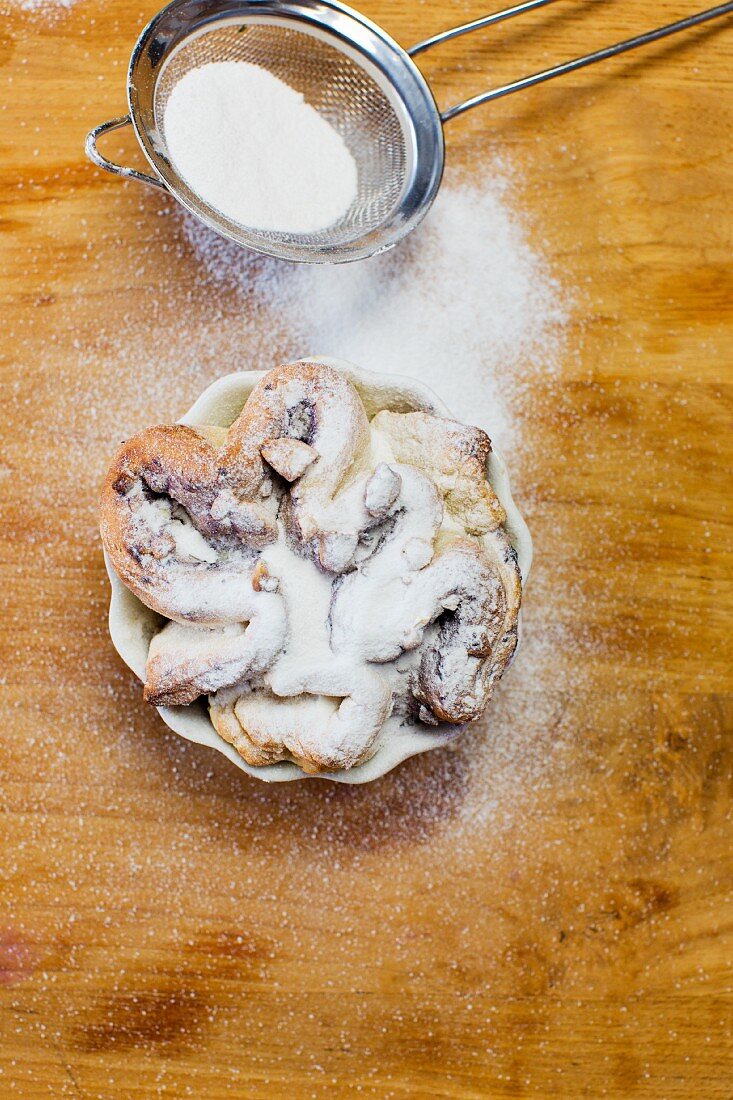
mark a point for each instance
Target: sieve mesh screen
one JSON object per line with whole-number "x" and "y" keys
{"x": 335, "y": 85}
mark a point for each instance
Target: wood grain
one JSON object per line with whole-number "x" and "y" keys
{"x": 170, "y": 928}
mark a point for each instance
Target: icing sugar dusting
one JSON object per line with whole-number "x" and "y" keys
{"x": 465, "y": 304}
{"x": 344, "y": 639}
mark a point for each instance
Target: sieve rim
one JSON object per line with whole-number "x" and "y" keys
{"x": 345, "y": 30}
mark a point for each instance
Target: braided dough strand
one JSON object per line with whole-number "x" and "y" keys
{"x": 185, "y": 662}
{"x": 306, "y": 422}
{"x": 332, "y": 722}
{"x": 473, "y": 639}
{"x": 454, "y": 456}
{"x": 461, "y": 586}
{"x": 176, "y": 536}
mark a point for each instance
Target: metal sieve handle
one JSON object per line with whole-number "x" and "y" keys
{"x": 476, "y": 24}
{"x": 565, "y": 66}
{"x": 109, "y": 165}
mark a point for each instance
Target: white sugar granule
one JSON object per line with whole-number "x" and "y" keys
{"x": 252, "y": 148}
{"x": 49, "y": 9}
{"x": 465, "y": 304}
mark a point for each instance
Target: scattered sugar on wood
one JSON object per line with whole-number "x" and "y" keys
{"x": 468, "y": 306}
{"x": 49, "y": 10}
{"x": 465, "y": 304}
{"x": 472, "y": 252}
{"x": 168, "y": 845}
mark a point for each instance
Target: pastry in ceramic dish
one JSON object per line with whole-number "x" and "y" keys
{"x": 324, "y": 576}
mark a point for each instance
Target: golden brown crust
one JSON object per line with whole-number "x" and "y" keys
{"x": 173, "y": 465}
{"x": 454, "y": 455}
{"x": 474, "y": 642}
{"x": 228, "y": 726}
{"x": 258, "y": 746}
{"x": 307, "y": 401}
{"x": 142, "y": 458}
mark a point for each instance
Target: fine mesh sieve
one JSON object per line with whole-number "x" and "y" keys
{"x": 365, "y": 85}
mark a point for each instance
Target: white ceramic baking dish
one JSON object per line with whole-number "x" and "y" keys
{"x": 132, "y": 624}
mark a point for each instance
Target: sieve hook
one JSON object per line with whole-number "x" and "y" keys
{"x": 94, "y": 154}
{"x": 563, "y": 67}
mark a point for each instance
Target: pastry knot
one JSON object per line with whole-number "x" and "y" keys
{"x": 325, "y": 578}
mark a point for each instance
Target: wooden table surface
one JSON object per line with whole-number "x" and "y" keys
{"x": 546, "y": 911}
